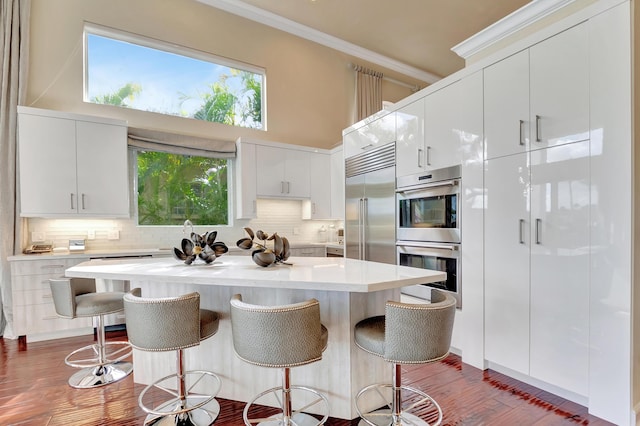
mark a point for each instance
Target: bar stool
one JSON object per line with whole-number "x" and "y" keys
{"x": 406, "y": 334}
{"x": 100, "y": 363}
{"x": 174, "y": 324}
{"x": 282, "y": 336}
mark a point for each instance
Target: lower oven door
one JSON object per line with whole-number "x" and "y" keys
{"x": 434, "y": 256}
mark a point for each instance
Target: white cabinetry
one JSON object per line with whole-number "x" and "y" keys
{"x": 378, "y": 132}
{"x": 337, "y": 183}
{"x": 319, "y": 204}
{"x": 537, "y": 264}
{"x": 309, "y": 252}
{"x": 33, "y": 309}
{"x": 72, "y": 165}
{"x": 282, "y": 172}
{"x": 538, "y": 97}
{"x": 442, "y": 127}
{"x": 410, "y": 147}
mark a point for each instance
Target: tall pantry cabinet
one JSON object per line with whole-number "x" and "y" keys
{"x": 537, "y": 184}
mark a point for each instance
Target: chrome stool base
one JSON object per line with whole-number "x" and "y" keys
{"x": 197, "y": 408}
{"x": 417, "y": 408}
{"x": 298, "y": 415}
{"x": 203, "y": 416}
{"x": 93, "y": 377}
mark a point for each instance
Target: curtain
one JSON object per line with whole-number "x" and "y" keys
{"x": 368, "y": 92}
{"x": 14, "y": 42}
{"x": 172, "y": 143}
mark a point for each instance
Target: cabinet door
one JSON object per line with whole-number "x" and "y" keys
{"x": 47, "y": 156}
{"x": 296, "y": 173}
{"x": 410, "y": 155}
{"x": 270, "y": 164}
{"x": 442, "y": 138}
{"x": 337, "y": 184}
{"x": 507, "y": 241}
{"x": 506, "y": 106}
{"x": 319, "y": 205}
{"x": 245, "y": 170}
{"x": 560, "y": 201}
{"x": 560, "y": 89}
{"x": 103, "y": 177}
{"x": 378, "y": 132}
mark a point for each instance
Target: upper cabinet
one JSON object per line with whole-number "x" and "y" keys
{"x": 376, "y": 133}
{"x": 282, "y": 172}
{"x": 538, "y": 97}
{"x": 410, "y": 157}
{"x": 442, "y": 127}
{"x": 72, "y": 165}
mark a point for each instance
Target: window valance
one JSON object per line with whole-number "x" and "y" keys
{"x": 180, "y": 144}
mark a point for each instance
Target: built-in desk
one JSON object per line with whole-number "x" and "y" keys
{"x": 348, "y": 290}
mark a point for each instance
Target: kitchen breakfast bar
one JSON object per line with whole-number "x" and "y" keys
{"x": 348, "y": 290}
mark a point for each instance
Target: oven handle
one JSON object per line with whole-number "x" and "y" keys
{"x": 452, "y": 247}
{"x": 422, "y": 187}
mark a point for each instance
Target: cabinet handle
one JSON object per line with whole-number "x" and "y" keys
{"x": 420, "y": 153}
{"x": 521, "y": 230}
{"x": 72, "y": 208}
{"x": 428, "y": 156}
{"x": 282, "y": 187}
{"x": 313, "y": 208}
{"x": 538, "y": 226}
{"x": 83, "y": 207}
{"x": 366, "y": 146}
{"x": 254, "y": 206}
{"x": 51, "y": 267}
{"x": 538, "y": 139}
{"x": 288, "y": 187}
{"x": 521, "y": 132}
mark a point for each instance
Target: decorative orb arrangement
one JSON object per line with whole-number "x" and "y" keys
{"x": 262, "y": 255}
{"x": 200, "y": 246}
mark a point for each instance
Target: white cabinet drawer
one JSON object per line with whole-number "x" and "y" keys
{"x": 54, "y": 267}
{"x": 32, "y": 297}
{"x": 43, "y": 319}
{"x": 308, "y": 252}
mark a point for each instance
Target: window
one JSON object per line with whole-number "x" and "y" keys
{"x": 133, "y": 72}
{"x": 175, "y": 187}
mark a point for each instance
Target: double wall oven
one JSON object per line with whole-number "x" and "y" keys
{"x": 428, "y": 227}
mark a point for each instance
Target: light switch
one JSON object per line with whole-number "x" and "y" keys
{"x": 91, "y": 234}
{"x": 113, "y": 234}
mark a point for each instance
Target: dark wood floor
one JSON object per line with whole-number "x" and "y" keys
{"x": 34, "y": 391}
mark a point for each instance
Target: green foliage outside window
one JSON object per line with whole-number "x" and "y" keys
{"x": 172, "y": 188}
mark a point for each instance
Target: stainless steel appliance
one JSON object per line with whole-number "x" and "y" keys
{"x": 429, "y": 206}
{"x": 435, "y": 256}
{"x": 335, "y": 251}
{"x": 370, "y": 205}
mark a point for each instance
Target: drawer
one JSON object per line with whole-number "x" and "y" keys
{"x": 22, "y": 283}
{"x": 43, "y": 319}
{"x": 55, "y": 267}
{"x": 308, "y": 252}
{"x": 32, "y": 297}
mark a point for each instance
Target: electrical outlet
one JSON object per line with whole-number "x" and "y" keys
{"x": 91, "y": 234}
{"x": 37, "y": 236}
{"x": 113, "y": 234}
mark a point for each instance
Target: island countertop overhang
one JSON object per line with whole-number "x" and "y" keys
{"x": 304, "y": 273}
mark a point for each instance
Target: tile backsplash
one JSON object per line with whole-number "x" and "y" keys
{"x": 282, "y": 216}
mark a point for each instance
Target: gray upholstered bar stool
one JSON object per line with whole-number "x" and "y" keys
{"x": 282, "y": 336}
{"x": 174, "y": 324}
{"x": 100, "y": 363}
{"x": 406, "y": 334}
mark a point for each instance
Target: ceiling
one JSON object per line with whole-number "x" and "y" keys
{"x": 416, "y": 33}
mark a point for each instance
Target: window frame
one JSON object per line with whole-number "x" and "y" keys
{"x": 173, "y": 48}
{"x": 133, "y": 168}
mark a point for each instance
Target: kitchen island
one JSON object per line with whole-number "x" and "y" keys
{"x": 348, "y": 290}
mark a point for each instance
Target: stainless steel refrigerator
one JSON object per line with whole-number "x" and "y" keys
{"x": 370, "y": 205}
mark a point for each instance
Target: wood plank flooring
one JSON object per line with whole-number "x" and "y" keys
{"x": 34, "y": 392}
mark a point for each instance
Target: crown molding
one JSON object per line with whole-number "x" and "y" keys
{"x": 510, "y": 24}
{"x": 262, "y": 16}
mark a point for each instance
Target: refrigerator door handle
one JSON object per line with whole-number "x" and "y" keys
{"x": 360, "y": 211}
{"x": 365, "y": 217}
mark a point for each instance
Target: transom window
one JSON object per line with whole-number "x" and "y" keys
{"x": 134, "y": 72}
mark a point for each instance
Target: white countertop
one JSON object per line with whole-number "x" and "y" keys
{"x": 307, "y": 273}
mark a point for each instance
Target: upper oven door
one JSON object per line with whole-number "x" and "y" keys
{"x": 429, "y": 213}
